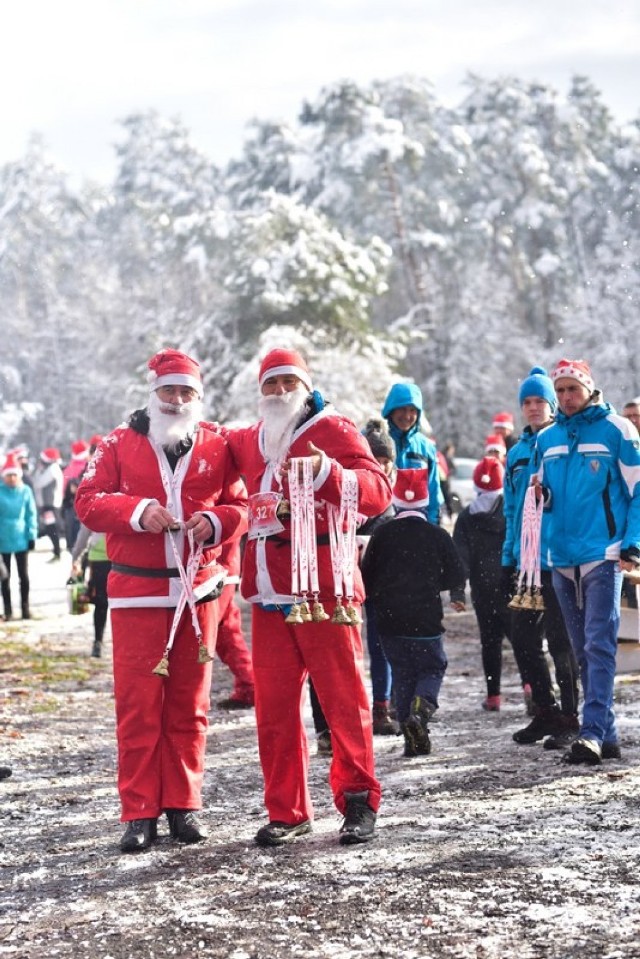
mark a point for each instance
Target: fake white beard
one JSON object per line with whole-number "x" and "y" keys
{"x": 280, "y": 416}
{"x": 167, "y": 428}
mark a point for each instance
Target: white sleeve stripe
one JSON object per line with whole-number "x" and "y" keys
{"x": 631, "y": 476}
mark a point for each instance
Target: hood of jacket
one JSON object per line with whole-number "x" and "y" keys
{"x": 402, "y": 394}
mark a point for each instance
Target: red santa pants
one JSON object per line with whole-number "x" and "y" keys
{"x": 283, "y": 655}
{"x": 231, "y": 646}
{"x": 161, "y": 722}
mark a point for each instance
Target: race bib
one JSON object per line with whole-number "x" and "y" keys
{"x": 262, "y": 515}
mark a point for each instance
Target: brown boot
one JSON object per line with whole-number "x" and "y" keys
{"x": 383, "y": 725}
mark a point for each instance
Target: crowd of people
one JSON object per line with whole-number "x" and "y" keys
{"x": 321, "y": 523}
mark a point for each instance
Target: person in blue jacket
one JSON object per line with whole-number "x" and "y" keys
{"x": 558, "y": 722}
{"x": 403, "y": 409}
{"x": 18, "y": 532}
{"x": 588, "y": 471}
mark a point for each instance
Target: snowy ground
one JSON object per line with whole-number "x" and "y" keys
{"x": 486, "y": 850}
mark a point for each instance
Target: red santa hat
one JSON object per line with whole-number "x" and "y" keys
{"x": 95, "y": 439}
{"x": 488, "y": 475}
{"x": 504, "y": 420}
{"x": 574, "y": 370}
{"x": 172, "y": 368}
{"x": 11, "y": 465}
{"x": 283, "y": 363}
{"x": 79, "y": 450}
{"x": 50, "y": 455}
{"x": 495, "y": 443}
{"x": 411, "y": 489}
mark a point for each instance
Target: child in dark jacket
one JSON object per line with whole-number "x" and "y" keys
{"x": 479, "y": 534}
{"x": 408, "y": 563}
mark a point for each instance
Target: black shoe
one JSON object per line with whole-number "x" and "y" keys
{"x": 139, "y": 835}
{"x": 416, "y": 728}
{"x": 586, "y": 751}
{"x": 96, "y": 649}
{"x": 416, "y": 738}
{"x": 324, "y": 746}
{"x": 561, "y": 740}
{"x": 5, "y": 772}
{"x": 26, "y": 612}
{"x": 611, "y": 751}
{"x": 359, "y": 821}
{"x": 185, "y": 827}
{"x": 232, "y": 703}
{"x": 279, "y": 833}
{"x": 546, "y": 722}
{"x": 567, "y": 732}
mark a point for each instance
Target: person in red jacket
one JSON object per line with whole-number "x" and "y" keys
{"x": 165, "y": 491}
{"x": 297, "y": 423}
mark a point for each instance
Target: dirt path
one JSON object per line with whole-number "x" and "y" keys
{"x": 486, "y": 850}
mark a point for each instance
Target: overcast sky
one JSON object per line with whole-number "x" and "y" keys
{"x": 71, "y": 69}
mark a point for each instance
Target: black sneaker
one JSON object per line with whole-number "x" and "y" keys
{"x": 561, "y": 740}
{"x": 185, "y": 827}
{"x": 546, "y": 722}
{"x": 611, "y": 751}
{"x": 359, "y": 821}
{"x": 567, "y": 732}
{"x": 416, "y": 738}
{"x": 416, "y": 728}
{"x": 279, "y": 833}
{"x": 586, "y": 751}
{"x": 139, "y": 835}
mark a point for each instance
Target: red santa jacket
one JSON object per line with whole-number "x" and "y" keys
{"x": 127, "y": 473}
{"x": 266, "y": 570}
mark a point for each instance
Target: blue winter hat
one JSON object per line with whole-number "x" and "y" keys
{"x": 538, "y": 383}
{"x": 402, "y": 394}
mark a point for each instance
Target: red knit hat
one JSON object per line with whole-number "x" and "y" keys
{"x": 172, "y": 368}
{"x": 574, "y": 370}
{"x": 411, "y": 489}
{"x": 50, "y": 455}
{"x": 79, "y": 450}
{"x": 283, "y": 362}
{"x": 505, "y": 420}
{"x": 11, "y": 465}
{"x": 488, "y": 474}
{"x": 495, "y": 442}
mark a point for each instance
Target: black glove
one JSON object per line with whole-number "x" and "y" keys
{"x": 31, "y": 545}
{"x": 631, "y": 555}
{"x": 508, "y": 581}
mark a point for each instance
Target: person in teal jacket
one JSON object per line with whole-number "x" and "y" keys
{"x": 588, "y": 470}
{"x": 559, "y": 723}
{"x": 403, "y": 409}
{"x": 18, "y": 532}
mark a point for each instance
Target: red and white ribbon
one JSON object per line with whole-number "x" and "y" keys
{"x": 530, "y": 540}
{"x": 304, "y": 545}
{"x": 187, "y": 578}
{"x": 343, "y": 521}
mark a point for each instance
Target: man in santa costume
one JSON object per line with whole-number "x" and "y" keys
{"x": 296, "y": 422}
{"x": 164, "y": 489}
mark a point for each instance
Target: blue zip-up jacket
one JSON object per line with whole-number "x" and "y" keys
{"x": 590, "y": 465}
{"x": 413, "y": 449}
{"x": 18, "y": 518}
{"x": 519, "y": 469}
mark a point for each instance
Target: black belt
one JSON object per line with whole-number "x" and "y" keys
{"x": 322, "y": 540}
{"x": 170, "y": 573}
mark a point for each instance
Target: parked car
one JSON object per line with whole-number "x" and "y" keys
{"x": 461, "y": 482}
